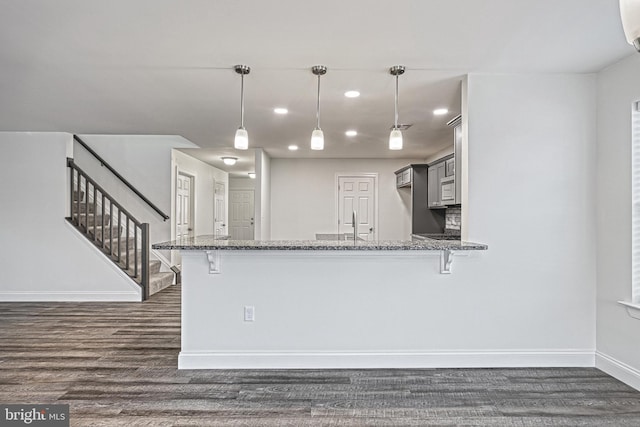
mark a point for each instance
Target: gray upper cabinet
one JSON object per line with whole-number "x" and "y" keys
{"x": 404, "y": 177}
{"x": 433, "y": 197}
{"x": 441, "y": 183}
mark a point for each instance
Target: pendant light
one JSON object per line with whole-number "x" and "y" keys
{"x": 630, "y": 13}
{"x": 317, "y": 137}
{"x": 241, "y": 141}
{"x": 395, "y": 138}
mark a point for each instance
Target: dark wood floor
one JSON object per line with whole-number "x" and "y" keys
{"x": 115, "y": 364}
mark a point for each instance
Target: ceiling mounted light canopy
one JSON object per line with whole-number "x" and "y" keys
{"x": 630, "y": 13}
{"x": 395, "y": 138}
{"x": 241, "y": 141}
{"x": 230, "y": 160}
{"x": 317, "y": 137}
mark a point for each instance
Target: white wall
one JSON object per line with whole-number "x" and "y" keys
{"x": 618, "y": 334}
{"x": 263, "y": 196}
{"x": 531, "y": 175}
{"x": 303, "y": 197}
{"x": 144, "y": 161}
{"x": 242, "y": 184}
{"x": 42, "y": 258}
{"x": 527, "y": 301}
{"x": 441, "y": 153}
{"x": 205, "y": 177}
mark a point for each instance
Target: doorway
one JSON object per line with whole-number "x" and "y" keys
{"x": 219, "y": 210}
{"x": 358, "y": 193}
{"x": 184, "y": 206}
{"x": 241, "y": 211}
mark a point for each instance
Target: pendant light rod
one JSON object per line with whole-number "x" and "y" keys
{"x": 242, "y": 70}
{"x": 395, "y": 137}
{"x": 241, "y": 140}
{"x": 396, "y": 70}
{"x": 317, "y": 136}
{"x": 318, "y": 70}
{"x": 318, "y": 105}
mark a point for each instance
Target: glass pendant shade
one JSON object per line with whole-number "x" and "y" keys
{"x": 317, "y": 139}
{"x": 395, "y": 140}
{"x": 630, "y": 13}
{"x": 241, "y": 141}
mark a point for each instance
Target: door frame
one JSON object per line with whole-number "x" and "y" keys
{"x": 192, "y": 199}
{"x": 226, "y": 202}
{"x": 373, "y": 175}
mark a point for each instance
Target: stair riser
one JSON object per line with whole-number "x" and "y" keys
{"x": 115, "y": 231}
{"x": 156, "y": 284}
{"x": 92, "y": 219}
{"x": 154, "y": 266}
{"x": 75, "y": 196}
{"x": 83, "y": 209}
{"x": 123, "y": 244}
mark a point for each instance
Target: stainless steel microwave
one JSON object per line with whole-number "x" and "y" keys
{"x": 448, "y": 190}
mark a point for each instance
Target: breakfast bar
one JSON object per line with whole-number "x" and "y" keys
{"x": 309, "y": 303}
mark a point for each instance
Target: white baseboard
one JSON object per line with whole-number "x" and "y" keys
{"x": 62, "y": 296}
{"x": 619, "y": 370}
{"x": 406, "y": 360}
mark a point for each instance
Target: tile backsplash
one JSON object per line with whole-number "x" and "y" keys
{"x": 452, "y": 218}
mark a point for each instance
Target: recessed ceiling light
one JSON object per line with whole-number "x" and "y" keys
{"x": 230, "y": 160}
{"x": 293, "y": 147}
{"x": 252, "y": 175}
{"x": 352, "y": 94}
{"x": 440, "y": 111}
{"x": 351, "y": 133}
{"x": 280, "y": 110}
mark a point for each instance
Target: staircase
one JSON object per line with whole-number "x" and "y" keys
{"x": 111, "y": 228}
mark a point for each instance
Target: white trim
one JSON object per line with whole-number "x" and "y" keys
{"x": 619, "y": 370}
{"x": 65, "y": 296}
{"x": 373, "y": 360}
{"x": 163, "y": 260}
{"x": 373, "y": 175}
{"x": 632, "y": 309}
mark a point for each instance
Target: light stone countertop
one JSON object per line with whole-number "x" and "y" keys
{"x": 212, "y": 243}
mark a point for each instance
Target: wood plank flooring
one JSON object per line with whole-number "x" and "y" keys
{"x": 115, "y": 365}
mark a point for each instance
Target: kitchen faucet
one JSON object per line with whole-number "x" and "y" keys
{"x": 354, "y": 219}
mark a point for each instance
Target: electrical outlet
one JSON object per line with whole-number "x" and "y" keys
{"x": 249, "y": 313}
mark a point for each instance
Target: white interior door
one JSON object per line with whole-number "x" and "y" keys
{"x": 220, "y": 210}
{"x": 357, "y": 194}
{"x": 184, "y": 199}
{"x": 241, "y": 223}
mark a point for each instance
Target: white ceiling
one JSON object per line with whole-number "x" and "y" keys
{"x": 165, "y": 66}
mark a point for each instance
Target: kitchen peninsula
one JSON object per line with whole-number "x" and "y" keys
{"x": 306, "y": 304}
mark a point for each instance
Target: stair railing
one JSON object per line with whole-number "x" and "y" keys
{"x": 120, "y": 177}
{"x": 106, "y": 210}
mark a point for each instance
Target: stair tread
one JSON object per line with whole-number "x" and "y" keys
{"x": 160, "y": 275}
